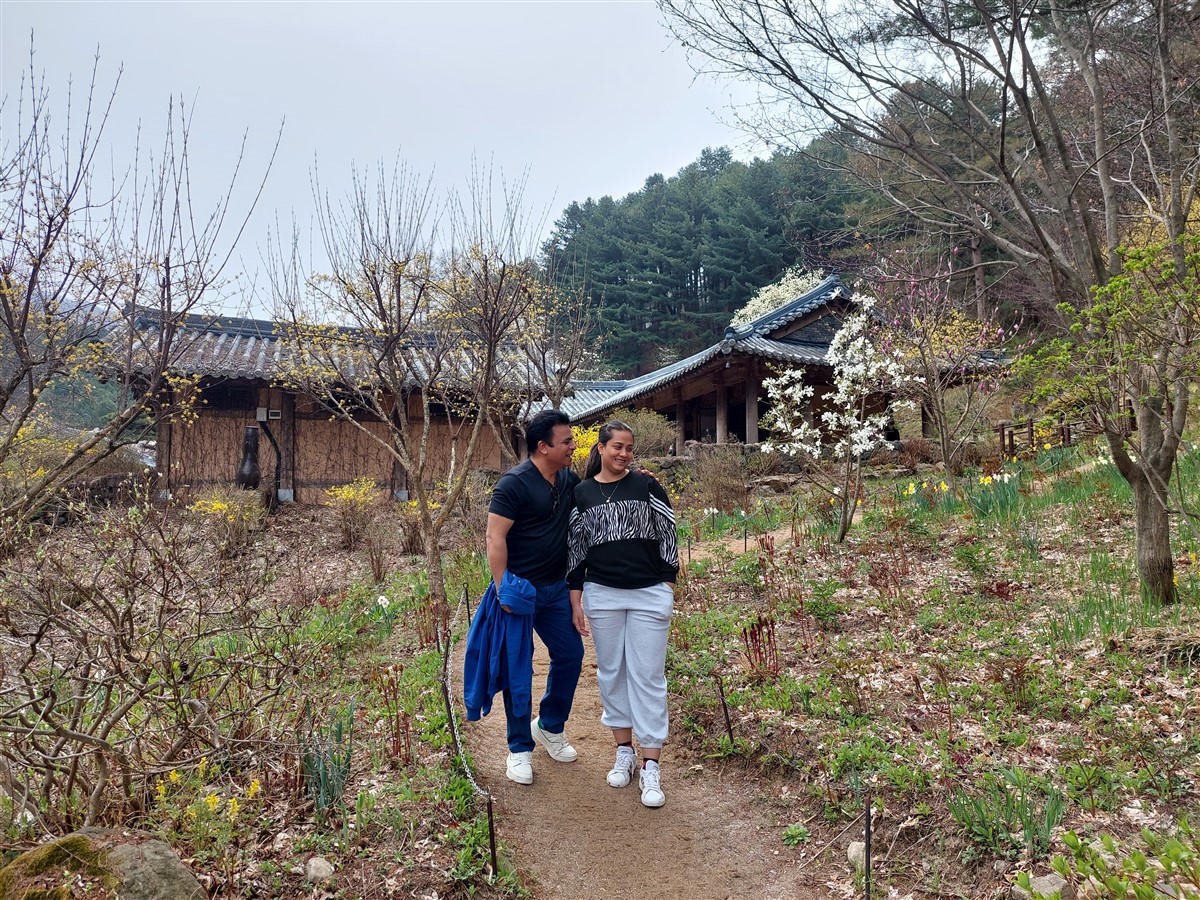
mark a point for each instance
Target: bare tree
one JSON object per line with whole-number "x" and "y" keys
{"x": 427, "y": 296}
{"x": 955, "y": 361}
{"x": 1047, "y": 129}
{"x": 81, "y": 270}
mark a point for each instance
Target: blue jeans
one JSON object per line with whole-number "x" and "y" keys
{"x": 552, "y": 623}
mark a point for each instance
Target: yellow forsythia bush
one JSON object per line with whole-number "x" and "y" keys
{"x": 354, "y": 506}
{"x": 233, "y": 515}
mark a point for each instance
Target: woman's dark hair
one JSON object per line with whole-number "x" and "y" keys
{"x": 541, "y": 428}
{"x": 606, "y": 433}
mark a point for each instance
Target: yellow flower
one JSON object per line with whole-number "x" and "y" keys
{"x": 832, "y": 500}
{"x": 174, "y": 776}
{"x": 234, "y": 806}
{"x": 943, "y": 487}
{"x": 161, "y": 790}
{"x": 203, "y": 765}
{"x": 213, "y": 802}
{"x": 252, "y": 791}
{"x": 1045, "y": 446}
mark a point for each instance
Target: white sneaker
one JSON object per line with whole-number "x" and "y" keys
{"x": 556, "y": 745}
{"x": 651, "y": 785}
{"x": 622, "y": 770}
{"x": 520, "y": 767}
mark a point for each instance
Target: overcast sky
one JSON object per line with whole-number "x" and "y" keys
{"x": 588, "y": 97}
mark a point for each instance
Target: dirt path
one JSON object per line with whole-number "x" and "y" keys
{"x": 575, "y": 837}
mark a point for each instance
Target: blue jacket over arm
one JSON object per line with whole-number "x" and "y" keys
{"x": 499, "y": 650}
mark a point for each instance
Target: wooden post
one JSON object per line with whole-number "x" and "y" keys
{"x": 680, "y": 423}
{"x": 164, "y": 431}
{"x": 751, "y": 402}
{"x": 286, "y": 435}
{"x": 722, "y": 414}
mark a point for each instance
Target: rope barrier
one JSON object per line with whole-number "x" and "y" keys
{"x": 452, "y": 722}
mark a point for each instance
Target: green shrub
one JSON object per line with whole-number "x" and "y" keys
{"x": 1164, "y": 866}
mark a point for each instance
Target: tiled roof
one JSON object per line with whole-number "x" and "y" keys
{"x": 220, "y": 346}
{"x": 231, "y": 347}
{"x": 594, "y": 397}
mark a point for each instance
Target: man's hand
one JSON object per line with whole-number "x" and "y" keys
{"x": 496, "y": 540}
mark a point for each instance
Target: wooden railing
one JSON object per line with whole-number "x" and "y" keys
{"x": 1017, "y": 436}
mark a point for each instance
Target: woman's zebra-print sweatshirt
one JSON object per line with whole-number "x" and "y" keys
{"x": 622, "y": 534}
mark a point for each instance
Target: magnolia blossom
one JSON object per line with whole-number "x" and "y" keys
{"x": 861, "y": 370}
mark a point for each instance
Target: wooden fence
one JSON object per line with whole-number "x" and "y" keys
{"x": 1017, "y": 436}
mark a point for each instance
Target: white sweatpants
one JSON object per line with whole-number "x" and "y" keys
{"x": 629, "y": 630}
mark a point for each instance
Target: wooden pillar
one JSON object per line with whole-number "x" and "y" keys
{"x": 722, "y": 414}
{"x": 680, "y": 423}
{"x": 285, "y": 434}
{"x": 751, "y": 403}
{"x": 164, "y": 432}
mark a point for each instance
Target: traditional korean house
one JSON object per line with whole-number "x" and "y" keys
{"x": 236, "y": 370}
{"x": 717, "y": 395}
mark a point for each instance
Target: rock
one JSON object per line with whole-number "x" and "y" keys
{"x": 780, "y": 484}
{"x": 1046, "y": 886}
{"x": 282, "y": 843}
{"x": 1000, "y": 866}
{"x": 856, "y": 855}
{"x": 133, "y": 864}
{"x": 318, "y": 870}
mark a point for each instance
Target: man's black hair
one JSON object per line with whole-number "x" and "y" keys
{"x": 541, "y": 428}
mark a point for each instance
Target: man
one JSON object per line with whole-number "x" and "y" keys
{"x": 527, "y": 536}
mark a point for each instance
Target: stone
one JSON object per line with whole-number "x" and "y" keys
{"x": 779, "y": 484}
{"x": 1048, "y": 886}
{"x": 856, "y": 855}
{"x": 318, "y": 870}
{"x": 134, "y": 864}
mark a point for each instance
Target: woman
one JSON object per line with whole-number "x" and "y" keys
{"x": 624, "y": 560}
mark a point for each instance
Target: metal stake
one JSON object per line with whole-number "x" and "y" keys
{"x": 492, "y": 839}
{"x": 867, "y": 855}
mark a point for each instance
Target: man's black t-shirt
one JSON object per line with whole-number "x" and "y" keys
{"x": 537, "y": 541}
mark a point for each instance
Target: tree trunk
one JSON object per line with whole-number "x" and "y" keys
{"x": 1149, "y": 474}
{"x": 1156, "y": 568}
{"x": 981, "y": 310}
{"x": 433, "y": 564}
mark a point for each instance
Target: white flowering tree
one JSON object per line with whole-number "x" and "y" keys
{"x": 842, "y": 427}
{"x": 786, "y": 288}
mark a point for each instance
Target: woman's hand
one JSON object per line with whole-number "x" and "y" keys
{"x": 578, "y": 619}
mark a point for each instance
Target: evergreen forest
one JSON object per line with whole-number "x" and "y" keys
{"x": 665, "y": 267}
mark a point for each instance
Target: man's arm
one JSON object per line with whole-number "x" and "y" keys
{"x": 497, "y": 546}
